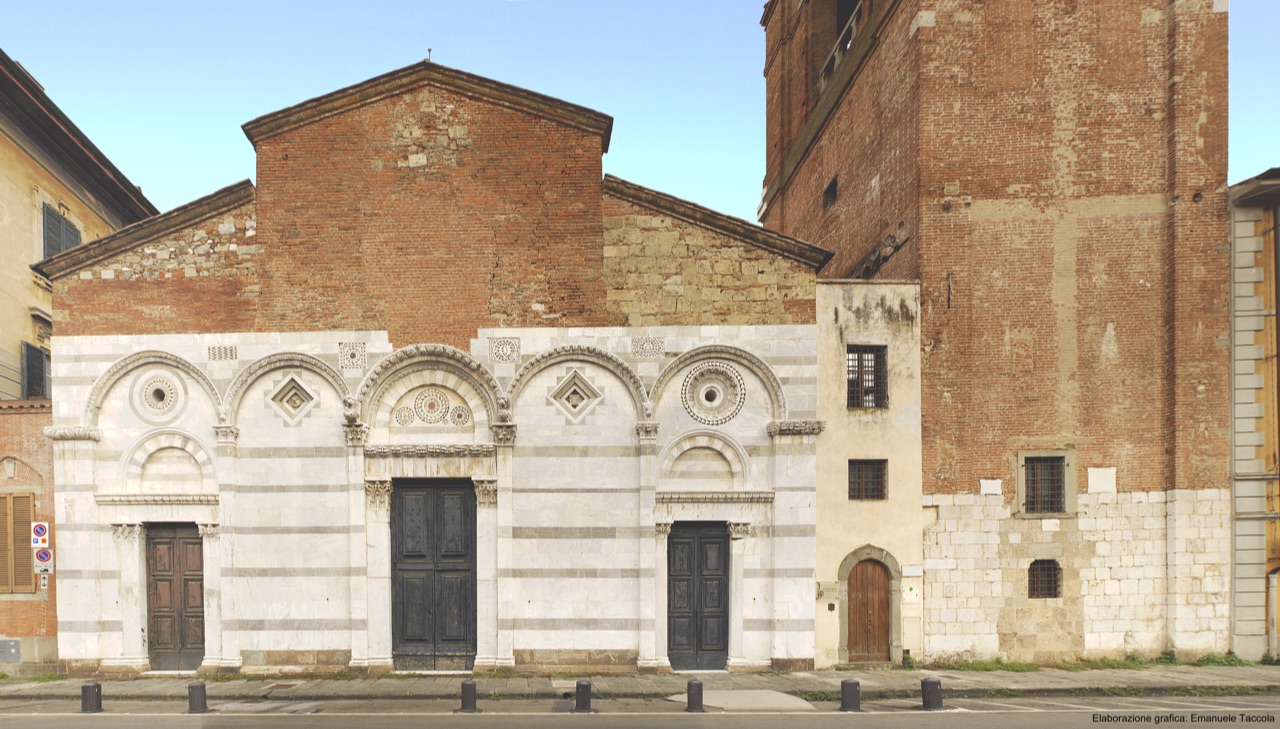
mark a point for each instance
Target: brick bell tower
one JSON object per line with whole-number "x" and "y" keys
{"x": 1054, "y": 175}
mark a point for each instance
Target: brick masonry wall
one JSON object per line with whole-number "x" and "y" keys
{"x": 661, "y": 270}
{"x": 30, "y": 618}
{"x": 204, "y": 278}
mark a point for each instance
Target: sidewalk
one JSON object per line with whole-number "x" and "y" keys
{"x": 874, "y": 684}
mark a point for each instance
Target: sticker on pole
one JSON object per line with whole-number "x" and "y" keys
{"x": 39, "y": 534}
{"x": 44, "y": 561}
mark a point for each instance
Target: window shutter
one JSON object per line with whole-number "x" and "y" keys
{"x": 34, "y": 372}
{"x": 6, "y": 546}
{"x": 52, "y": 232}
{"x": 24, "y": 576}
{"x": 70, "y": 235}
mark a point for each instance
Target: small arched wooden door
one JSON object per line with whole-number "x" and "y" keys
{"x": 869, "y": 612}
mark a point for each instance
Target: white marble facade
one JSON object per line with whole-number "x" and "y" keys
{"x": 584, "y": 446}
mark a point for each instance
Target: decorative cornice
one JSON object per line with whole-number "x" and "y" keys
{"x": 476, "y": 450}
{"x": 796, "y": 427}
{"x": 753, "y": 235}
{"x": 647, "y": 429}
{"x": 714, "y": 497}
{"x": 127, "y": 532}
{"x": 356, "y": 434}
{"x": 227, "y": 434}
{"x": 378, "y": 492}
{"x": 209, "y": 531}
{"x": 73, "y": 432}
{"x": 504, "y": 434}
{"x": 739, "y": 530}
{"x": 486, "y": 491}
{"x": 150, "y": 499}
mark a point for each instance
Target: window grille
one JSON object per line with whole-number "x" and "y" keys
{"x": 867, "y": 479}
{"x": 868, "y": 386}
{"x": 1046, "y": 485}
{"x": 1044, "y": 579}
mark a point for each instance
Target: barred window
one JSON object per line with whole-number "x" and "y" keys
{"x": 1046, "y": 486}
{"x": 868, "y": 386}
{"x": 867, "y": 479}
{"x": 1044, "y": 579}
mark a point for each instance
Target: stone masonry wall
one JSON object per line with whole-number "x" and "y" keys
{"x": 661, "y": 270}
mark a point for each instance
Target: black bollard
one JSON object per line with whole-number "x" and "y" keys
{"x": 468, "y": 698}
{"x": 695, "y": 697}
{"x": 850, "y": 695}
{"x": 931, "y": 693}
{"x": 91, "y": 698}
{"x": 582, "y": 698}
{"x": 196, "y": 703}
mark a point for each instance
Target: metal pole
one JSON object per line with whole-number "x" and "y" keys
{"x": 91, "y": 698}
{"x": 468, "y": 698}
{"x": 694, "y": 703}
{"x": 931, "y": 693}
{"x": 196, "y": 703}
{"x": 850, "y": 695}
{"x": 582, "y": 698}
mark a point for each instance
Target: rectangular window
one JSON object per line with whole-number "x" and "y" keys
{"x": 1046, "y": 484}
{"x": 59, "y": 233}
{"x": 868, "y": 386}
{"x": 867, "y": 479}
{"x": 17, "y": 569}
{"x": 35, "y": 372}
{"x": 1044, "y": 579}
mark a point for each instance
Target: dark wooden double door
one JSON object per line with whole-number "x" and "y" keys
{"x": 698, "y": 595}
{"x": 870, "y": 610}
{"x": 175, "y": 597}
{"x": 433, "y": 580}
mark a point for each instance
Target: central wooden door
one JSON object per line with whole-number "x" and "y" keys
{"x": 869, "y": 612}
{"x": 698, "y": 595}
{"x": 175, "y": 596}
{"x": 433, "y": 591}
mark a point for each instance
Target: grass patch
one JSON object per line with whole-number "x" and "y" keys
{"x": 1168, "y": 658}
{"x": 819, "y": 695}
{"x": 1000, "y": 693}
{"x": 1216, "y": 691}
{"x": 1122, "y": 691}
{"x": 986, "y": 666}
{"x": 1131, "y": 661}
{"x": 1222, "y": 659}
{"x": 45, "y": 678}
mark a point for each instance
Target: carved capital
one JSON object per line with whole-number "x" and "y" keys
{"x": 127, "y": 532}
{"x": 647, "y": 429}
{"x": 504, "y": 433}
{"x": 378, "y": 492}
{"x": 228, "y": 434}
{"x": 662, "y": 528}
{"x": 796, "y": 427}
{"x": 209, "y": 531}
{"x": 738, "y": 530}
{"x": 356, "y": 433}
{"x": 73, "y": 432}
{"x": 486, "y": 491}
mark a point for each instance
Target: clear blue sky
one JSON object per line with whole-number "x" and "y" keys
{"x": 163, "y": 87}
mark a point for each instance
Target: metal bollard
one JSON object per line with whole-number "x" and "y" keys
{"x": 694, "y": 703}
{"x": 91, "y": 698}
{"x": 850, "y": 695}
{"x": 931, "y": 693}
{"x": 582, "y": 698}
{"x": 196, "y": 703}
{"x": 468, "y": 698}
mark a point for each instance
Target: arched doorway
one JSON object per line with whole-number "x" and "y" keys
{"x": 870, "y": 612}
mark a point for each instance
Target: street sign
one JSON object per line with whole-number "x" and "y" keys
{"x": 39, "y": 534}
{"x": 44, "y": 561}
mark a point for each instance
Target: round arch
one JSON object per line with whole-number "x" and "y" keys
{"x": 735, "y": 454}
{"x": 872, "y": 553}
{"x": 259, "y": 367}
{"x": 582, "y": 353}
{"x": 742, "y": 357}
{"x": 414, "y": 357}
{"x": 136, "y": 456}
{"x": 137, "y": 360}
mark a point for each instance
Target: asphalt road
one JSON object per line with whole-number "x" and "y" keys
{"x": 986, "y": 713}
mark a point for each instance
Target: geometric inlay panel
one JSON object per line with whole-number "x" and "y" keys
{"x": 293, "y": 400}
{"x": 575, "y": 396}
{"x": 158, "y": 396}
{"x": 433, "y": 406}
{"x": 504, "y": 349}
{"x": 649, "y": 347}
{"x": 352, "y": 356}
{"x": 713, "y": 393}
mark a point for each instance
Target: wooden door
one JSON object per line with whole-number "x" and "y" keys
{"x": 698, "y": 595}
{"x": 433, "y": 548}
{"x": 175, "y": 596}
{"x": 869, "y": 612}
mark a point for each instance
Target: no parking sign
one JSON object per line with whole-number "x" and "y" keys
{"x": 39, "y": 534}
{"x": 44, "y": 561}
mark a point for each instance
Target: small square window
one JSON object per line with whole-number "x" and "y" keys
{"x": 868, "y": 386}
{"x": 830, "y": 193}
{"x": 1044, "y": 579}
{"x": 867, "y": 479}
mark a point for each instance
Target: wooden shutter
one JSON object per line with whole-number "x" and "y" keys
{"x": 6, "y": 546}
{"x": 34, "y": 372}
{"x": 70, "y": 235}
{"x": 52, "y": 232}
{"x": 24, "y": 577}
